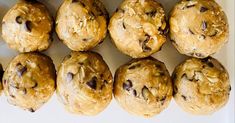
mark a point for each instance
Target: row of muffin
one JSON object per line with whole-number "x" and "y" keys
{"x": 139, "y": 28}
{"x": 143, "y": 87}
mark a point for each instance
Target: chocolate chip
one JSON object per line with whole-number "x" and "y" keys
{"x": 127, "y": 85}
{"x": 28, "y": 25}
{"x": 210, "y": 64}
{"x": 184, "y": 97}
{"x": 214, "y": 34}
{"x": 31, "y": 110}
{"x": 191, "y": 32}
{"x": 123, "y": 25}
{"x": 175, "y": 90}
{"x": 92, "y": 15}
{"x": 144, "y": 44}
{"x": 92, "y": 83}
{"x": 134, "y": 66}
{"x": 12, "y": 96}
{"x": 19, "y": 20}
{"x": 145, "y": 92}
{"x": 204, "y": 25}
{"x": 151, "y": 13}
{"x": 70, "y": 76}
{"x": 134, "y": 93}
{"x": 85, "y": 39}
{"x": 163, "y": 99}
{"x": 35, "y": 85}
{"x": 21, "y": 71}
{"x": 120, "y": 10}
{"x": 190, "y": 6}
{"x": 230, "y": 88}
{"x": 203, "y": 9}
{"x": 24, "y": 90}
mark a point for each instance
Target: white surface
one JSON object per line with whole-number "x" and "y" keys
{"x": 54, "y": 112}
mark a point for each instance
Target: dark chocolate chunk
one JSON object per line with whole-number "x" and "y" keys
{"x": 163, "y": 99}
{"x": 29, "y": 25}
{"x": 184, "y": 97}
{"x": 151, "y": 13}
{"x": 19, "y": 20}
{"x": 35, "y": 85}
{"x": 175, "y": 90}
{"x": 230, "y": 88}
{"x": 123, "y": 25}
{"x": 134, "y": 66}
{"x": 210, "y": 64}
{"x": 191, "y": 32}
{"x": 144, "y": 92}
{"x": 21, "y": 71}
{"x": 70, "y": 76}
{"x": 92, "y": 83}
{"x": 144, "y": 44}
{"x": 203, "y": 9}
{"x": 190, "y": 6}
{"x": 204, "y": 25}
{"x": 31, "y": 110}
{"x": 127, "y": 85}
{"x": 134, "y": 93}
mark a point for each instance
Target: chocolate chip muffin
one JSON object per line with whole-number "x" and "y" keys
{"x": 198, "y": 28}
{"x": 29, "y": 81}
{"x": 1, "y": 74}
{"x": 81, "y": 24}
{"x": 27, "y": 26}
{"x": 84, "y": 83}
{"x": 143, "y": 87}
{"x": 201, "y": 86}
{"x": 138, "y": 27}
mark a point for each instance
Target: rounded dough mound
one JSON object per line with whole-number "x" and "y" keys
{"x": 27, "y": 27}
{"x": 201, "y": 86}
{"x": 138, "y": 27}
{"x": 198, "y": 28}
{"x": 84, "y": 83}
{"x": 81, "y": 24}
{"x": 29, "y": 81}
{"x": 143, "y": 87}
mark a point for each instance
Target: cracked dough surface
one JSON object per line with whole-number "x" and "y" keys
{"x": 84, "y": 83}
{"x": 143, "y": 87}
{"x": 198, "y": 28}
{"x": 201, "y": 86}
{"x": 29, "y": 81}
{"x": 81, "y": 24}
{"x": 138, "y": 27}
{"x": 27, "y": 27}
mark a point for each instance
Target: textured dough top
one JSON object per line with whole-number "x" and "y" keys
{"x": 81, "y": 24}
{"x": 84, "y": 83}
{"x": 27, "y": 27}
{"x": 138, "y": 27}
{"x": 198, "y": 28}
{"x": 143, "y": 86}
{"x": 29, "y": 80}
{"x": 202, "y": 85}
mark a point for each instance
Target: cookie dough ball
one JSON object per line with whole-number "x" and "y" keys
{"x": 27, "y": 27}
{"x": 198, "y": 28}
{"x": 29, "y": 81}
{"x": 143, "y": 87}
{"x": 81, "y": 24}
{"x": 138, "y": 27}
{"x": 201, "y": 86}
{"x": 84, "y": 83}
{"x": 1, "y": 74}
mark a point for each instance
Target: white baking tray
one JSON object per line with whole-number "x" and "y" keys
{"x": 53, "y": 111}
